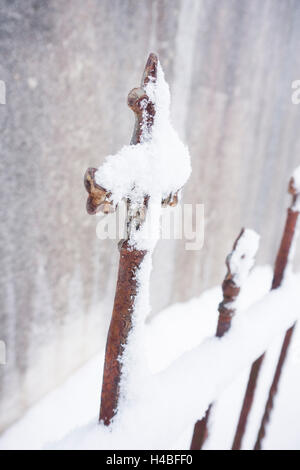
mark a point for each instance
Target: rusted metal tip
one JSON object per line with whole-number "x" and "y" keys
{"x": 97, "y": 194}
{"x": 238, "y": 238}
{"x": 152, "y": 60}
{"x": 150, "y": 72}
{"x": 137, "y": 95}
{"x": 141, "y": 104}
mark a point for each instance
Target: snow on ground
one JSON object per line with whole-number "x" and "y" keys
{"x": 72, "y": 409}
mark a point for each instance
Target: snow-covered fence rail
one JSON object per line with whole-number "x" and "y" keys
{"x": 148, "y": 175}
{"x": 200, "y": 376}
{"x": 169, "y": 402}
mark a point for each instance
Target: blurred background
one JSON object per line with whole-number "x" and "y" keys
{"x": 68, "y": 67}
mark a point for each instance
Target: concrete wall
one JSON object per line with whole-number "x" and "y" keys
{"x": 68, "y": 67}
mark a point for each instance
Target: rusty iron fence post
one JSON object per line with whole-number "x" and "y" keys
{"x": 281, "y": 262}
{"x": 279, "y": 270}
{"x": 131, "y": 258}
{"x": 273, "y": 388}
{"x": 231, "y": 288}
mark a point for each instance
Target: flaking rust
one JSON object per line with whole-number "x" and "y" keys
{"x": 120, "y": 326}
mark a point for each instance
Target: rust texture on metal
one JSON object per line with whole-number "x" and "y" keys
{"x": 97, "y": 195}
{"x": 200, "y": 433}
{"x": 230, "y": 292}
{"x": 286, "y": 242}
{"x": 130, "y": 260}
{"x": 226, "y": 312}
{"x": 247, "y": 403}
{"x": 279, "y": 270}
{"x": 140, "y": 103}
{"x": 273, "y": 388}
{"x": 287, "y": 238}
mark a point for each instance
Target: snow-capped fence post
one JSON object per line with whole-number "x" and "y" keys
{"x": 282, "y": 261}
{"x": 148, "y": 175}
{"x": 130, "y": 261}
{"x": 239, "y": 262}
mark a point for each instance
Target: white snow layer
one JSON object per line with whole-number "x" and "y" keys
{"x": 158, "y": 166}
{"x": 242, "y": 258}
{"x": 296, "y": 177}
{"x": 168, "y": 403}
{"x": 133, "y": 360}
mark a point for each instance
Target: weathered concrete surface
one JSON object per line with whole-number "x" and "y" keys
{"x": 68, "y": 67}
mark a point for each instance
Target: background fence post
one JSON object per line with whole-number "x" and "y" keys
{"x": 281, "y": 261}
{"x": 279, "y": 270}
{"x": 238, "y": 263}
